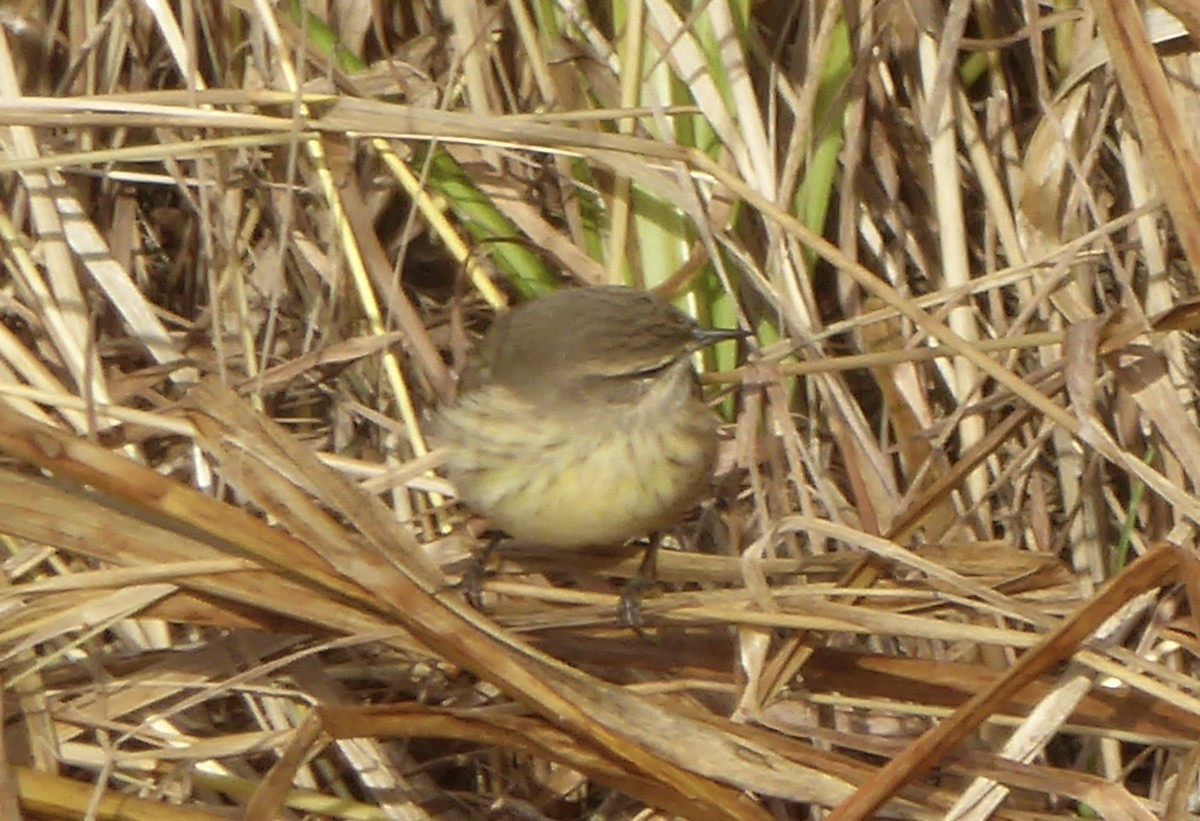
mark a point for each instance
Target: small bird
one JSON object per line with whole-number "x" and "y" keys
{"x": 579, "y": 420}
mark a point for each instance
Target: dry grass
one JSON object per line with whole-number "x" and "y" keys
{"x": 240, "y": 269}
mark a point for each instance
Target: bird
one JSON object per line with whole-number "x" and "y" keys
{"x": 579, "y": 420}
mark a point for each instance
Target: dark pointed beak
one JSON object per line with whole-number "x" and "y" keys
{"x": 711, "y": 336}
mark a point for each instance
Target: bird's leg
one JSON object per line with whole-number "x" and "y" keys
{"x": 631, "y": 593}
{"x": 471, "y": 583}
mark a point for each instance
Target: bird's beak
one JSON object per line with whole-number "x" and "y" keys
{"x": 711, "y": 336}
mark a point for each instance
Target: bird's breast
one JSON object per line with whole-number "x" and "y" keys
{"x": 590, "y": 476}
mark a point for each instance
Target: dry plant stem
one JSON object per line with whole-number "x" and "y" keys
{"x": 1151, "y": 570}
{"x": 269, "y": 799}
{"x": 904, "y": 527}
{"x": 57, "y": 797}
{"x": 1047, "y": 719}
{"x": 1187, "y": 12}
{"x": 1087, "y": 789}
{"x": 935, "y": 689}
{"x": 497, "y": 729}
{"x": 1177, "y": 805}
{"x": 786, "y": 664}
{"x": 9, "y": 808}
{"x": 1160, "y": 124}
{"x": 398, "y": 308}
